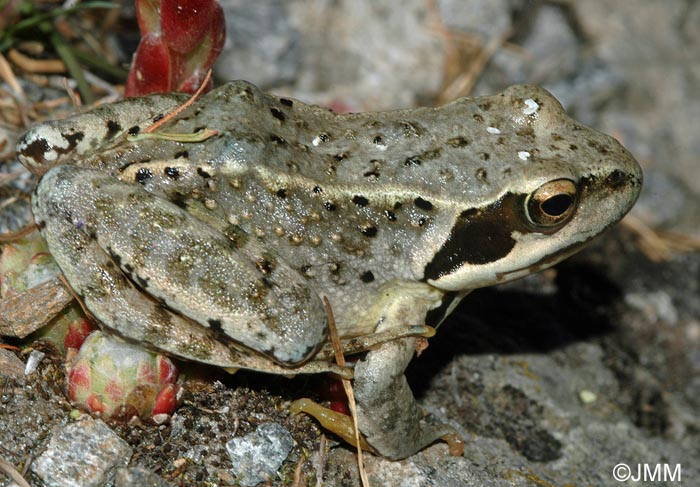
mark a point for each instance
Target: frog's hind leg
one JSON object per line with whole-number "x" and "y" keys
{"x": 100, "y": 230}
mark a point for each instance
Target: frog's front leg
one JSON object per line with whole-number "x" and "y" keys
{"x": 391, "y": 423}
{"x": 387, "y": 413}
{"x": 188, "y": 281}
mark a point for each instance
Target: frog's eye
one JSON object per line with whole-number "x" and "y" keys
{"x": 552, "y": 203}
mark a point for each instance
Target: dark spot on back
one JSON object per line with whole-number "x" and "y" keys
{"x": 158, "y": 118}
{"x": 458, "y": 142}
{"x": 134, "y": 130}
{"x": 216, "y": 325}
{"x": 602, "y": 149}
{"x": 182, "y": 155}
{"x": 369, "y": 231}
{"x": 423, "y": 204}
{"x": 202, "y": 172}
{"x": 172, "y": 172}
{"x": 113, "y": 128}
{"x": 411, "y": 129}
{"x": 330, "y": 206}
{"x": 143, "y": 175}
{"x": 141, "y": 281}
{"x": 367, "y": 277}
{"x": 277, "y": 139}
{"x": 73, "y": 140}
{"x": 277, "y": 113}
{"x": 117, "y": 259}
{"x": 282, "y": 193}
{"x": 179, "y": 200}
{"x": 360, "y": 200}
{"x": 412, "y": 161}
{"x": 378, "y": 140}
{"x": 527, "y": 132}
{"x": 390, "y": 215}
{"x": 286, "y": 102}
{"x": 236, "y": 235}
{"x": 317, "y": 189}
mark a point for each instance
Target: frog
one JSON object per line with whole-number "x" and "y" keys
{"x": 217, "y": 237}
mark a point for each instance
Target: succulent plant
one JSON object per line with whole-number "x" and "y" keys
{"x": 24, "y": 264}
{"x": 181, "y": 40}
{"x": 120, "y": 380}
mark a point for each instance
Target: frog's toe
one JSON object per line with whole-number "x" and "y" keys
{"x": 333, "y": 421}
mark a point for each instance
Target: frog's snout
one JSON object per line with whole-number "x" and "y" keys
{"x": 38, "y": 148}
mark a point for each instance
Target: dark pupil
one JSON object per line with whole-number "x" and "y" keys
{"x": 556, "y": 205}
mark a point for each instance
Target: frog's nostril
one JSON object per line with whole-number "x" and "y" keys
{"x": 616, "y": 178}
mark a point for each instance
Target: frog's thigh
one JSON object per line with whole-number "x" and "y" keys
{"x": 387, "y": 413}
{"x": 187, "y": 265}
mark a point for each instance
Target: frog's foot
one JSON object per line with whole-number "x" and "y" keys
{"x": 335, "y": 422}
{"x": 360, "y": 344}
{"x": 391, "y": 423}
{"x": 342, "y": 425}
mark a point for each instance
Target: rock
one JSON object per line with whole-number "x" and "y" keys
{"x": 138, "y": 476}
{"x": 265, "y": 44}
{"x": 257, "y": 456}
{"x": 10, "y": 365}
{"x": 85, "y": 454}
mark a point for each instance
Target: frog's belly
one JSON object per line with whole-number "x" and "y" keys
{"x": 390, "y": 305}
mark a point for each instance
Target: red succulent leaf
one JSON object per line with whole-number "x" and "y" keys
{"x": 148, "y": 15}
{"x": 95, "y": 404}
{"x": 77, "y": 332}
{"x": 114, "y": 390}
{"x": 150, "y": 71}
{"x": 185, "y": 23}
{"x": 181, "y": 41}
{"x": 80, "y": 377}
{"x": 193, "y": 82}
{"x": 333, "y": 391}
{"x": 166, "y": 400}
{"x": 168, "y": 372}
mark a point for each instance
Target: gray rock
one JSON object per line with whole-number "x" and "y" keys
{"x": 10, "y": 365}
{"x": 138, "y": 476}
{"x": 257, "y": 456}
{"x": 82, "y": 454}
{"x": 484, "y": 18}
{"x": 263, "y": 44}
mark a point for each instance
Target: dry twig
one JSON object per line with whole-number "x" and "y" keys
{"x": 182, "y": 107}
{"x": 335, "y": 340}
{"x": 12, "y": 473}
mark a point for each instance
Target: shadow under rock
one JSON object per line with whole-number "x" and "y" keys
{"x": 508, "y": 321}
